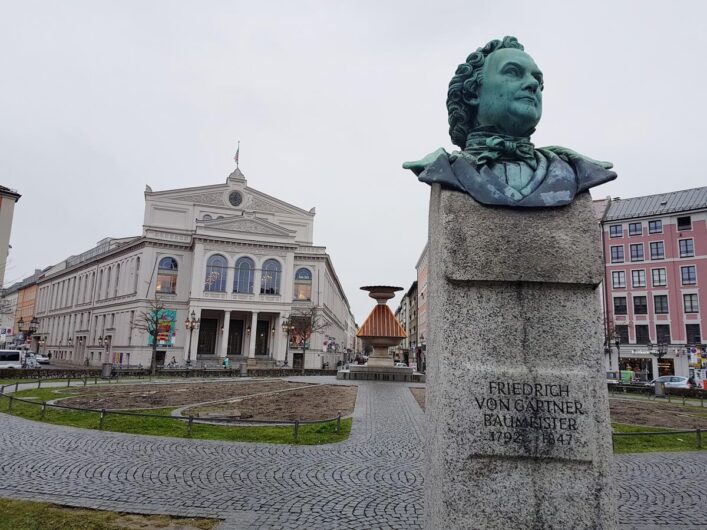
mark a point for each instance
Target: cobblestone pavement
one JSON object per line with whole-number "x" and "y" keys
{"x": 373, "y": 480}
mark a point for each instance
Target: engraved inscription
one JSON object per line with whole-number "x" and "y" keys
{"x": 535, "y": 416}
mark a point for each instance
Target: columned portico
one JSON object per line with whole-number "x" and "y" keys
{"x": 253, "y": 333}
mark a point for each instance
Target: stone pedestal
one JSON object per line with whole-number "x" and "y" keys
{"x": 518, "y": 432}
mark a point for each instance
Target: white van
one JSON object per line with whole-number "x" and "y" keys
{"x": 11, "y": 359}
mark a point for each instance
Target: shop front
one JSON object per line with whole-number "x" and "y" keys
{"x": 642, "y": 367}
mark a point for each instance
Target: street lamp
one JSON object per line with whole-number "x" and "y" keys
{"x": 191, "y": 323}
{"x": 288, "y": 328}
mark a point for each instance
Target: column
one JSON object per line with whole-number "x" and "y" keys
{"x": 253, "y": 333}
{"x": 276, "y": 337}
{"x": 223, "y": 349}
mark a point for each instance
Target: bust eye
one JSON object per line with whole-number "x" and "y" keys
{"x": 512, "y": 71}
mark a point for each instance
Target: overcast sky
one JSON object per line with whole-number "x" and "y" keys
{"x": 328, "y": 98}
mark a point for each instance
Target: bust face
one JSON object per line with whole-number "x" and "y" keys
{"x": 510, "y": 95}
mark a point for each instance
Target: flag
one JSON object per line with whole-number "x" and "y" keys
{"x": 238, "y": 152}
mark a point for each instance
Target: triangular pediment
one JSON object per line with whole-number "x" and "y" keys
{"x": 248, "y": 225}
{"x": 210, "y": 198}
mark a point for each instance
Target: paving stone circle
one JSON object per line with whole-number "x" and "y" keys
{"x": 372, "y": 480}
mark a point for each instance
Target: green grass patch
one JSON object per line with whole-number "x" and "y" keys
{"x": 25, "y": 515}
{"x": 647, "y": 444}
{"x": 158, "y": 425}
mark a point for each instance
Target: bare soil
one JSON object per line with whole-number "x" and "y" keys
{"x": 262, "y": 399}
{"x": 312, "y": 402}
{"x": 634, "y": 412}
{"x": 658, "y": 414}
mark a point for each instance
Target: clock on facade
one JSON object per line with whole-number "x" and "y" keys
{"x": 235, "y": 198}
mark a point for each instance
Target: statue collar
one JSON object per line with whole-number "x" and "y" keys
{"x": 486, "y": 145}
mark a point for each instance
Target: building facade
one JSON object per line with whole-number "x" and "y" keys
{"x": 8, "y": 199}
{"x": 240, "y": 260}
{"x": 655, "y": 287}
{"x": 422, "y": 327}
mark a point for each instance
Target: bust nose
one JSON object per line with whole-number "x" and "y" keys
{"x": 530, "y": 83}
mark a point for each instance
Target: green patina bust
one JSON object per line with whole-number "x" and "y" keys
{"x": 494, "y": 103}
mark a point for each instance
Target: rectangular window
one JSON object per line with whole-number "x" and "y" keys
{"x": 660, "y": 303}
{"x": 617, "y": 254}
{"x": 622, "y": 334}
{"x": 655, "y": 227}
{"x": 638, "y": 278}
{"x": 166, "y": 282}
{"x": 687, "y": 248}
{"x": 662, "y": 333}
{"x": 657, "y": 250}
{"x": 616, "y": 231}
{"x": 642, "y": 334}
{"x": 689, "y": 275}
{"x": 635, "y": 229}
{"x": 692, "y": 332}
{"x": 659, "y": 277}
{"x": 684, "y": 223}
{"x": 620, "y": 305}
{"x": 690, "y": 303}
{"x": 637, "y": 252}
{"x": 618, "y": 279}
{"x": 640, "y": 305}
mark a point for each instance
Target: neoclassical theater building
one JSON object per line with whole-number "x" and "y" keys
{"x": 240, "y": 260}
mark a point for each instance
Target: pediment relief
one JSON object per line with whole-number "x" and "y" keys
{"x": 248, "y": 225}
{"x": 213, "y": 198}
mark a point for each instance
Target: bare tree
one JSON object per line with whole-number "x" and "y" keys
{"x": 304, "y": 323}
{"x": 150, "y": 321}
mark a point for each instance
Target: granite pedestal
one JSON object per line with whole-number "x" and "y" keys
{"x": 518, "y": 432}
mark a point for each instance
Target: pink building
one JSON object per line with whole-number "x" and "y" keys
{"x": 655, "y": 288}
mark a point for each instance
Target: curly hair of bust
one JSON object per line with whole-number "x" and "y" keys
{"x": 464, "y": 84}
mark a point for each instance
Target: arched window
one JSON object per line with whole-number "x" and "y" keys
{"x": 117, "y": 280}
{"x": 245, "y": 276}
{"x": 137, "y": 274}
{"x": 303, "y": 284}
{"x": 107, "y": 283}
{"x": 215, "y": 280}
{"x": 167, "y": 276}
{"x": 100, "y": 285}
{"x": 270, "y": 280}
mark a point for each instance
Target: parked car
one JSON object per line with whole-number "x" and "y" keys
{"x": 671, "y": 381}
{"x": 401, "y": 365}
{"x": 42, "y": 359}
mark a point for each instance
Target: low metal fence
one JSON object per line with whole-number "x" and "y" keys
{"x": 669, "y": 394}
{"x": 188, "y": 420}
{"x": 697, "y": 432}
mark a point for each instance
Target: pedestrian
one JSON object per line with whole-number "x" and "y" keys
{"x": 691, "y": 382}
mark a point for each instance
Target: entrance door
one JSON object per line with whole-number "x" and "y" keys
{"x": 262, "y": 337}
{"x": 207, "y": 336}
{"x": 159, "y": 358}
{"x": 235, "y": 337}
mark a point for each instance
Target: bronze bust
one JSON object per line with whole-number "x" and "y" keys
{"x": 494, "y": 103}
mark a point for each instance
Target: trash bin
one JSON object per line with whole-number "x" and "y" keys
{"x": 659, "y": 389}
{"x": 106, "y": 371}
{"x": 244, "y": 369}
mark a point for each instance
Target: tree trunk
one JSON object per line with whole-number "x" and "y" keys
{"x": 153, "y": 363}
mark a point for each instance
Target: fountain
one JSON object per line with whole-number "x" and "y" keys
{"x": 381, "y": 331}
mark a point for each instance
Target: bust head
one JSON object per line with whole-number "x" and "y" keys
{"x": 498, "y": 86}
